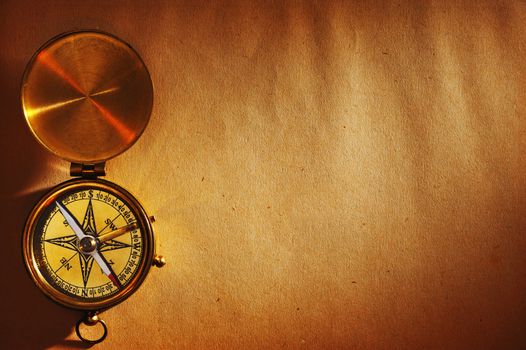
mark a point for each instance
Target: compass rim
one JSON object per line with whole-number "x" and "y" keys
{"x": 56, "y": 294}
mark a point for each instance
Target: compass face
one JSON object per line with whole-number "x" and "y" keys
{"x": 88, "y": 244}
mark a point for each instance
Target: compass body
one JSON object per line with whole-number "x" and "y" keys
{"x": 88, "y": 244}
{"x": 115, "y": 226}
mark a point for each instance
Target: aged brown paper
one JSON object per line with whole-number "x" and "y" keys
{"x": 323, "y": 174}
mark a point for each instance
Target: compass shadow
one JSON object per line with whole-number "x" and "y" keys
{"x": 29, "y": 319}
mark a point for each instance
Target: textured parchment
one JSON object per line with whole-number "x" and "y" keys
{"x": 324, "y": 174}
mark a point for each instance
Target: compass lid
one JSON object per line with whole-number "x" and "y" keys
{"x": 87, "y": 96}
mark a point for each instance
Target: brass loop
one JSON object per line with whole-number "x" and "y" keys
{"x": 91, "y": 320}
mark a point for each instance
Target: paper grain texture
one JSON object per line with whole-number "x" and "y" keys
{"x": 323, "y": 174}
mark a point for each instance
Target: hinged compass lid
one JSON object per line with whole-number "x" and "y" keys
{"x": 87, "y": 96}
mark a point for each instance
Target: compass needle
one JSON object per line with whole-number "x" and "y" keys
{"x": 71, "y": 221}
{"x": 118, "y": 232}
{"x": 105, "y": 268}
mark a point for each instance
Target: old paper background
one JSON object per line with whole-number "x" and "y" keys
{"x": 323, "y": 174}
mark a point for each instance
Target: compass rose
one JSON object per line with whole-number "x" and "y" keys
{"x": 71, "y": 242}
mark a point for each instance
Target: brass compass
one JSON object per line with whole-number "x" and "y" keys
{"x": 88, "y": 244}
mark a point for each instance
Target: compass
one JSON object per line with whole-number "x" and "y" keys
{"x": 88, "y": 244}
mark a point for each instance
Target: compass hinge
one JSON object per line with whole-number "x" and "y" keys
{"x": 87, "y": 170}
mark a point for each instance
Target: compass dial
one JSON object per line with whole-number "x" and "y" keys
{"x": 88, "y": 244}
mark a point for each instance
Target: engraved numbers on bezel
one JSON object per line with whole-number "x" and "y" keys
{"x": 62, "y": 258}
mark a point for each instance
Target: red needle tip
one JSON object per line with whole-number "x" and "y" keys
{"x": 114, "y": 280}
